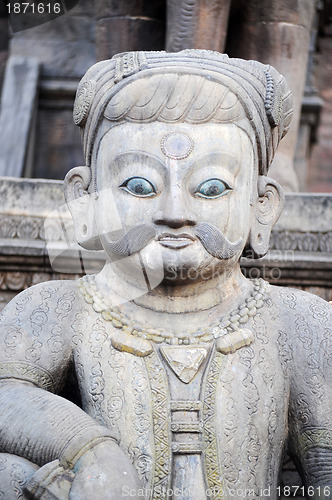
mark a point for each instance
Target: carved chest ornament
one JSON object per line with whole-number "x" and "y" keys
{"x": 229, "y": 334}
{"x": 185, "y": 363}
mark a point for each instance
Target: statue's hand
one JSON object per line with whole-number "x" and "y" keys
{"x": 105, "y": 472}
{"x": 51, "y": 481}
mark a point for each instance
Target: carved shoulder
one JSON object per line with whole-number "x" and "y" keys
{"x": 307, "y": 324}
{"x": 306, "y": 318}
{"x": 35, "y": 342}
{"x": 309, "y": 350}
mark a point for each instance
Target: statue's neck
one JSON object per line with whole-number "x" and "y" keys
{"x": 221, "y": 292}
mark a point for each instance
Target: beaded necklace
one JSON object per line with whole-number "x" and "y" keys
{"x": 233, "y": 322}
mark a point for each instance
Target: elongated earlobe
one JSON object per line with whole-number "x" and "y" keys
{"x": 82, "y": 207}
{"x": 268, "y": 208}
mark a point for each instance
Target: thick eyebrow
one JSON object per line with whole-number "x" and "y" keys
{"x": 140, "y": 157}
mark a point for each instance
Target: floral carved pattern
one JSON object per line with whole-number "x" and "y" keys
{"x": 32, "y": 228}
{"x": 26, "y": 371}
{"x": 18, "y": 479}
{"x": 301, "y": 241}
{"x": 96, "y": 390}
{"x": 18, "y": 281}
{"x": 311, "y": 438}
{"x": 214, "y": 479}
{"x": 161, "y": 425}
{"x": 140, "y": 457}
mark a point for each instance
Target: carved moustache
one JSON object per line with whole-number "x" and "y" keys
{"x": 214, "y": 242}
{"x": 134, "y": 240}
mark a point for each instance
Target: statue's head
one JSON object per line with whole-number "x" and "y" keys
{"x": 177, "y": 149}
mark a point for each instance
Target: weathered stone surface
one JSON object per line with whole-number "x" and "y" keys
{"x": 134, "y": 33}
{"x": 57, "y": 140}
{"x": 306, "y": 212}
{"x": 190, "y": 24}
{"x": 64, "y": 47}
{"x": 18, "y": 107}
{"x": 182, "y": 363}
{"x": 52, "y": 54}
{"x": 131, "y": 8}
{"x": 320, "y": 173}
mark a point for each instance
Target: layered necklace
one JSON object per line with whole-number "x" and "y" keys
{"x": 231, "y": 326}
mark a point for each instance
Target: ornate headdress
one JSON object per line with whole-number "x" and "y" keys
{"x": 196, "y": 86}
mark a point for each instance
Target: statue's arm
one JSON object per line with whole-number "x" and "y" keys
{"x": 310, "y": 417}
{"x": 57, "y": 435}
{"x": 41, "y": 426}
{"x": 35, "y": 422}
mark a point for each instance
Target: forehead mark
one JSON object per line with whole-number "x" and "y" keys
{"x": 177, "y": 146}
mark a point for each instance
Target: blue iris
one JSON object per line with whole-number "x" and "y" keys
{"x": 212, "y": 188}
{"x": 139, "y": 186}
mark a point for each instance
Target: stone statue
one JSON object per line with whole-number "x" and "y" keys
{"x": 190, "y": 376}
{"x": 276, "y": 32}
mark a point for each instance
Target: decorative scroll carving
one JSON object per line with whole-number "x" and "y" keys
{"x": 212, "y": 468}
{"x": 32, "y": 228}
{"x": 138, "y": 452}
{"x": 161, "y": 424}
{"x": 301, "y": 241}
{"x": 311, "y": 438}
{"x": 28, "y": 372}
{"x": 17, "y": 281}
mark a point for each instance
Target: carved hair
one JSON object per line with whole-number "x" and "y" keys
{"x": 174, "y": 98}
{"x": 192, "y": 86}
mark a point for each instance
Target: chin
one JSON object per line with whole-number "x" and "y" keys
{"x": 182, "y": 266}
{"x": 185, "y": 273}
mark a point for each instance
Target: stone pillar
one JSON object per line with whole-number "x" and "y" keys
{"x": 129, "y": 25}
{"x": 200, "y": 24}
{"x": 276, "y": 32}
{"x": 4, "y": 36}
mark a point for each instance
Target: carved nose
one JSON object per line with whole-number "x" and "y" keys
{"x": 174, "y": 214}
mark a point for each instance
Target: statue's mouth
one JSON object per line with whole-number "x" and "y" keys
{"x": 171, "y": 240}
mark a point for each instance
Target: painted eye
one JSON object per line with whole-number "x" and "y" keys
{"x": 139, "y": 186}
{"x": 212, "y": 188}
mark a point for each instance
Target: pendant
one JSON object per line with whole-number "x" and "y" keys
{"x": 185, "y": 361}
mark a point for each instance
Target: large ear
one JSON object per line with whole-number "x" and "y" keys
{"x": 82, "y": 207}
{"x": 268, "y": 208}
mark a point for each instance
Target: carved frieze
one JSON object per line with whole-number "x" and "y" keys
{"x": 308, "y": 241}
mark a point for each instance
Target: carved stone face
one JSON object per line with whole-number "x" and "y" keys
{"x": 180, "y": 179}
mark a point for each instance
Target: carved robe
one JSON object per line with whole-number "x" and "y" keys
{"x": 218, "y": 436}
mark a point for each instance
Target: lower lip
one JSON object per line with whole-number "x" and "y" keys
{"x": 175, "y": 243}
